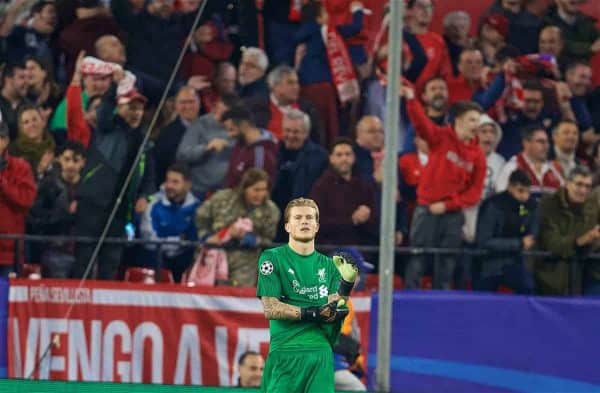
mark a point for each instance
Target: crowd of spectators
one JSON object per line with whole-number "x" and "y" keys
{"x": 274, "y": 100}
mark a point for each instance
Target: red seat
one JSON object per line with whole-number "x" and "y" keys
{"x": 372, "y": 282}
{"x": 148, "y": 276}
{"x": 32, "y": 271}
{"x": 166, "y": 276}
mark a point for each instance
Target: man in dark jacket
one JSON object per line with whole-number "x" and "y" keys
{"x": 505, "y": 227}
{"x": 92, "y": 22}
{"x": 12, "y": 95}
{"x": 34, "y": 39}
{"x": 285, "y": 95}
{"x": 252, "y": 77}
{"x": 301, "y": 161}
{"x": 17, "y": 193}
{"x": 53, "y": 213}
{"x": 569, "y": 227}
{"x": 111, "y": 153}
{"x": 156, "y": 34}
{"x": 579, "y": 31}
{"x": 346, "y": 202}
{"x": 369, "y": 141}
{"x": 187, "y": 107}
{"x": 524, "y": 23}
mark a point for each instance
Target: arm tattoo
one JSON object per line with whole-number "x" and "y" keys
{"x": 275, "y": 309}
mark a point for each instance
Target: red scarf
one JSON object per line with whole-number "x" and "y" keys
{"x": 295, "y": 10}
{"x": 260, "y": 22}
{"x": 276, "y": 123}
{"x": 548, "y": 181}
{"x": 340, "y": 65}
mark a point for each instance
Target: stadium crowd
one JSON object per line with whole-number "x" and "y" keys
{"x": 274, "y": 100}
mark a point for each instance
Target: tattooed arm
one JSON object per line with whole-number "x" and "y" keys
{"x": 275, "y": 309}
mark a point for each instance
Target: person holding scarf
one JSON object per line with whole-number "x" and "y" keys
{"x": 324, "y": 67}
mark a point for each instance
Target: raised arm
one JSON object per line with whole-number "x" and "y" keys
{"x": 77, "y": 127}
{"x": 424, "y": 126}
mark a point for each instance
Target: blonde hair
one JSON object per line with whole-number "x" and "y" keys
{"x": 299, "y": 202}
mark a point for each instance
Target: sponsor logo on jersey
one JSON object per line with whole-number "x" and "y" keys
{"x": 266, "y": 268}
{"x": 321, "y": 274}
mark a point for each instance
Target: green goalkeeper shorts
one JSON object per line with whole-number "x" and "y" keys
{"x": 299, "y": 371}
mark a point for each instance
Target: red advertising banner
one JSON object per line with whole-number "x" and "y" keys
{"x": 123, "y": 332}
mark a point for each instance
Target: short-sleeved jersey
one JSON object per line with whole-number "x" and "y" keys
{"x": 302, "y": 281}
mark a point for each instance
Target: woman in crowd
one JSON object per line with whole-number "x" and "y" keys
{"x": 34, "y": 143}
{"x": 244, "y": 216}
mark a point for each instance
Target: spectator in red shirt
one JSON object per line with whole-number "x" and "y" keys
{"x": 341, "y": 13}
{"x": 207, "y": 49}
{"x": 452, "y": 181}
{"x": 492, "y": 36}
{"x": 255, "y": 148}
{"x": 17, "y": 193}
{"x": 469, "y": 85}
{"x": 411, "y": 166}
{"x": 432, "y": 43}
{"x": 223, "y": 83}
{"x": 545, "y": 178}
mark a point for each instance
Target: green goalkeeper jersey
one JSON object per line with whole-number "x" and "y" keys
{"x": 302, "y": 281}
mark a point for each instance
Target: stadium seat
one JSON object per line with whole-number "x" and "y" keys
{"x": 148, "y": 276}
{"x": 32, "y": 271}
{"x": 372, "y": 282}
{"x": 504, "y": 289}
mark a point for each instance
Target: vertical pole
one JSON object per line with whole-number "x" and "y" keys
{"x": 388, "y": 202}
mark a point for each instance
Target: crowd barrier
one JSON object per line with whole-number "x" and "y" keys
{"x": 488, "y": 343}
{"x": 469, "y": 258}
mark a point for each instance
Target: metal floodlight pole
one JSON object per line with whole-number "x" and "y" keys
{"x": 388, "y": 200}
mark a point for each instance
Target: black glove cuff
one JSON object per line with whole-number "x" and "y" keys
{"x": 309, "y": 314}
{"x": 345, "y": 288}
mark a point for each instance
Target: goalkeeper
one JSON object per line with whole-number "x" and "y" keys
{"x": 303, "y": 293}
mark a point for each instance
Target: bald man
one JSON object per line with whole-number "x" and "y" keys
{"x": 110, "y": 48}
{"x": 369, "y": 143}
{"x": 551, "y": 41}
{"x": 92, "y": 22}
{"x": 187, "y": 108}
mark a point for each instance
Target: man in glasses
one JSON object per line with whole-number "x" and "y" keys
{"x": 533, "y": 159}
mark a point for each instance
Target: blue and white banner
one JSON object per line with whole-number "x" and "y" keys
{"x": 459, "y": 342}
